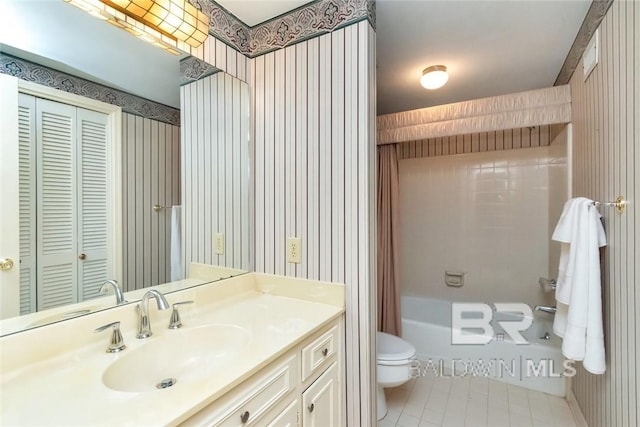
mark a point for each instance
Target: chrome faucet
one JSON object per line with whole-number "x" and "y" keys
{"x": 144, "y": 326}
{"x": 116, "y": 290}
{"x": 546, "y": 309}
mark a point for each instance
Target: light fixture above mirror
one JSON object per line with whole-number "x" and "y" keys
{"x": 164, "y": 23}
{"x": 434, "y": 77}
{"x": 64, "y": 48}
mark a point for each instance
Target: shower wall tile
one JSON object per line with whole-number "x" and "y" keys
{"x": 486, "y": 214}
{"x": 559, "y": 187}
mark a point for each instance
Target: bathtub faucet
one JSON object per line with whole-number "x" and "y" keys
{"x": 546, "y": 309}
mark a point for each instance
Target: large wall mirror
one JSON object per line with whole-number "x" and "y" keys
{"x": 135, "y": 196}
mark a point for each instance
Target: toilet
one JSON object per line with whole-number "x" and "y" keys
{"x": 395, "y": 357}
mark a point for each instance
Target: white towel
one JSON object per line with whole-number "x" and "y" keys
{"x": 176, "y": 244}
{"x": 578, "y": 294}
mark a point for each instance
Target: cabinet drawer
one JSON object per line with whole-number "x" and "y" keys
{"x": 253, "y": 399}
{"x": 319, "y": 351}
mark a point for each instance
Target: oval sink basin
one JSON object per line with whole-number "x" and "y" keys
{"x": 178, "y": 356}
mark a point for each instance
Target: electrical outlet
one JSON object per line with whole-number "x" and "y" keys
{"x": 219, "y": 245}
{"x": 294, "y": 250}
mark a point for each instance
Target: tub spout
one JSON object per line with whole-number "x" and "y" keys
{"x": 546, "y": 309}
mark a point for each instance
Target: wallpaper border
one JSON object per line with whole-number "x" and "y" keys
{"x": 592, "y": 20}
{"x": 300, "y": 24}
{"x": 193, "y": 69}
{"x": 30, "y": 71}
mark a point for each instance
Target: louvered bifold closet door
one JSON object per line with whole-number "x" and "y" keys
{"x": 56, "y": 200}
{"x": 27, "y": 197}
{"x": 92, "y": 201}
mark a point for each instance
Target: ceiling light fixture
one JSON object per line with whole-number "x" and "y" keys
{"x": 434, "y": 77}
{"x": 169, "y": 24}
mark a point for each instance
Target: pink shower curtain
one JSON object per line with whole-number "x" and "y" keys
{"x": 388, "y": 277}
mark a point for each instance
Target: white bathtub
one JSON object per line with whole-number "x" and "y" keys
{"x": 426, "y": 323}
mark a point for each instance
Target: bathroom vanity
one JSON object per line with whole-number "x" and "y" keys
{"x": 253, "y": 350}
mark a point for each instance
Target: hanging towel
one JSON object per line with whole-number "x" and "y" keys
{"x": 578, "y": 317}
{"x": 176, "y": 244}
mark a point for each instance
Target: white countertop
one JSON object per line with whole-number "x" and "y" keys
{"x": 63, "y": 386}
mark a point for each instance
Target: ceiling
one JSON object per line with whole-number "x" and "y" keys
{"x": 253, "y": 12}
{"x": 490, "y": 47}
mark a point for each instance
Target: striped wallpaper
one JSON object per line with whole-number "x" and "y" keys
{"x": 215, "y": 159}
{"x": 606, "y": 153}
{"x": 314, "y": 162}
{"x": 151, "y": 175}
{"x": 535, "y": 136}
{"x": 224, "y": 57}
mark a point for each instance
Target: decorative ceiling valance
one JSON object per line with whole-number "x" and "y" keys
{"x": 518, "y": 110}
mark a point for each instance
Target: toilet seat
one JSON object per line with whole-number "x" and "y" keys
{"x": 391, "y": 350}
{"x": 394, "y": 360}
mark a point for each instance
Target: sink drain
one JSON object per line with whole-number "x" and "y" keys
{"x": 166, "y": 383}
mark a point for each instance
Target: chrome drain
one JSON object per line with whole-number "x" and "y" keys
{"x": 166, "y": 383}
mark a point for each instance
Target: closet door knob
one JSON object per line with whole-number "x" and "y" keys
{"x": 6, "y": 264}
{"x": 82, "y": 257}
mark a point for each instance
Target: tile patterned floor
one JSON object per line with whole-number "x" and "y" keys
{"x": 472, "y": 402}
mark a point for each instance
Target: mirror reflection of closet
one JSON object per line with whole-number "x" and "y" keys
{"x": 63, "y": 203}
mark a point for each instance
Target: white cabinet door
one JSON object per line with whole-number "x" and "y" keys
{"x": 27, "y": 188}
{"x": 56, "y": 218}
{"x": 92, "y": 208}
{"x": 320, "y": 402}
{"x": 63, "y": 203}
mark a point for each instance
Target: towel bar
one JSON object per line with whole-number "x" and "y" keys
{"x": 158, "y": 208}
{"x": 619, "y": 204}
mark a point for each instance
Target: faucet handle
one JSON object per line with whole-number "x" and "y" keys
{"x": 117, "y": 342}
{"x": 547, "y": 285}
{"x": 175, "y": 322}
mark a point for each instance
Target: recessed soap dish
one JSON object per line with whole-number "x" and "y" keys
{"x": 454, "y": 279}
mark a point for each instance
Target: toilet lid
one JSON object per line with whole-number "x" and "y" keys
{"x": 390, "y": 347}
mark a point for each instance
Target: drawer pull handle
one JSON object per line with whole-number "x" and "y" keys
{"x": 311, "y": 407}
{"x": 244, "y": 417}
{"x": 325, "y": 352}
